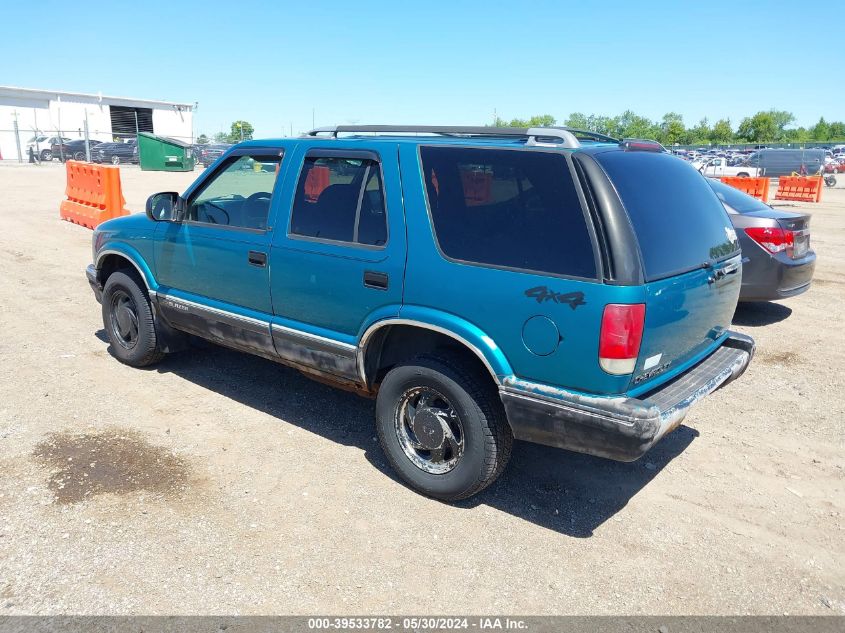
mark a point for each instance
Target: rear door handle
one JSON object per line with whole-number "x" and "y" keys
{"x": 375, "y": 280}
{"x": 257, "y": 258}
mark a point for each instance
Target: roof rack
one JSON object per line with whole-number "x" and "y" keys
{"x": 561, "y": 137}
{"x": 596, "y": 136}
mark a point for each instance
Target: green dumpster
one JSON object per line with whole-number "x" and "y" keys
{"x": 160, "y": 153}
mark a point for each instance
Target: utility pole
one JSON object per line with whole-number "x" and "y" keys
{"x": 17, "y": 136}
{"x": 313, "y": 116}
{"x": 87, "y": 141}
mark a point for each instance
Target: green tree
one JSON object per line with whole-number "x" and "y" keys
{"x": 672, "y": 129}
{"x": 700, "y": 133}
{"x": 837, "y": 131}
{"x": 578, "y": 120}
{"x": 221, "y": 137}
{"x": 241, "y": 131}
{"x": 202, "y": 139}
{"x": 820, "y": 131}
{"x": 632, "y": 125}
{"x": 782, "y": 118}
{"x": 538, "y": 120}
{"x": 758, "y": 128}
{"x": 722, "y": 132}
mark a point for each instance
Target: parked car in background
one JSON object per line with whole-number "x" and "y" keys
{"x": 717, "y": 167}
{"x": 73, "y": 149}
{"x": 43, "y": 145}
{"x": 783, "y": 162}
{"x": 211, "y": 152}
{"x": 582, "y": 310}
{"x": 780, "y": 262}
{"x": 116, "y": 153}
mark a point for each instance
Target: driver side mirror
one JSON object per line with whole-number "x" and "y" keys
{"x": 165, "y": 207}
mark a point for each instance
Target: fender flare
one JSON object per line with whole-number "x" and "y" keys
{"x": 464, "y": 332}
{"x": 133, "y": 257}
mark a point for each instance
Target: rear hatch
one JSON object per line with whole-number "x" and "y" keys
{"x": 690, "y": 256}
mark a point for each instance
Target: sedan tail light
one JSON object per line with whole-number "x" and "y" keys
{"x": 773, "y": 239}
{"x": 620, "y": 337}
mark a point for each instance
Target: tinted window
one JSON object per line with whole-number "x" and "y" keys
{"x": 679, "y": 221}
{"x": 340, "y": 199}
{"x": 517, "y": 209}
{"x": 736, "y": 199}
{"x": 239, "y": 194}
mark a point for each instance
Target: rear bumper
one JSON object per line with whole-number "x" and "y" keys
{"x": 777, "y": 278}
{"x": 619, "y": 428}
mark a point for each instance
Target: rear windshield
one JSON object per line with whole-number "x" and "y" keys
{"x": 679, "y": 221}
{"x": 736, "y": 199}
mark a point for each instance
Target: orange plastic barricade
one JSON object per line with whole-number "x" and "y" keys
{"x": 800, "y": 188}
{"x": 93, "y": 194}
{"x": 316, "y": 180}
{"x": 477, "y": 187}
{"x": 757, "y": 187}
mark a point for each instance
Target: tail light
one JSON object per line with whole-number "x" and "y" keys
{"x": 620, "y": 337}
{"x": 773, "y": 239}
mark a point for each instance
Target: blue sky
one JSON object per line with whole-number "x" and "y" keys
{"x": 434, "y": 62}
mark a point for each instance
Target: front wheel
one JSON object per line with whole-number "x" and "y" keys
{"x": 128, "y": 321}
{"x": 830, "y": 181}
{"x": 742, "y": 175}
{"x": 46, "y": 156}
{"x": 442, "y": 427}
{"x": 79, "y": 156}
{"x": 115, "y": 160}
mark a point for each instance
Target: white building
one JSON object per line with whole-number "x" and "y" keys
{"x": 55, "y": 113}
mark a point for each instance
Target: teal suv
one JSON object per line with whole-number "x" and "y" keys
{"x": 482, "y": 284}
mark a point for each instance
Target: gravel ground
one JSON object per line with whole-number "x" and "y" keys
{"x": 222, "y": 483}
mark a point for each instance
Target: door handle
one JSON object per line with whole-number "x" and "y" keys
{"x": 375, "y": 280}
{"x": 257, "y": 258}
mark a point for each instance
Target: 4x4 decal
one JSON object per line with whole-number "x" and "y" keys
{"x": 542, "y": 294}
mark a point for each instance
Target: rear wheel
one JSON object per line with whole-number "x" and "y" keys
{"x": 79, "y": 156}
{"x": 115, "y": 160}
{"x": 46, "y": 155}
{"x": 128, "y": 321}
{"x": 742, "y": 175}
{"x": 442, "y": 428}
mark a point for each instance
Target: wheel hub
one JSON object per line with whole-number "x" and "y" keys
{"x": 428, "y": 429}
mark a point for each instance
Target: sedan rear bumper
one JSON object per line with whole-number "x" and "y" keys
{"x": 619, "y": 428}
{"x": 777, "y": 277}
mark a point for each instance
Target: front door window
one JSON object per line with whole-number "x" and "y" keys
{"x": 239, "y": 195}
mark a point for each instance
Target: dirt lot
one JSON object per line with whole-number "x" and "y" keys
{"x": 223, "y": 483}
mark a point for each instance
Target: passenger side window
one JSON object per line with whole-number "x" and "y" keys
{"x": 239, "y": 195}
{"x": 342, "y": 200}
{"x": 508, "y": 208}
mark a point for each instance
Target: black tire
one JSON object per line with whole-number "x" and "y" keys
{"x": 115, "y": 160}
{"x": 742, "y": 174}
{"x": 133, "y": 338}
{"x": 486, "y": 436}
{"x": 46, "y": 155}
{"x": 79, "y": 156}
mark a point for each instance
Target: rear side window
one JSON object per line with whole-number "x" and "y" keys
{"x": 342, "y": 200}
{"x": 679, "y": 221}
{"x": 507, "y": 208}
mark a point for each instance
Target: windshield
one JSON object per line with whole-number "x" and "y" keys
{"x": 736, "y": 199}
{"x": 679, "y": 222}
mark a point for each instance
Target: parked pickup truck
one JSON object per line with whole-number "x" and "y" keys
{"x": 717, "y": 167}
{"x": 482, "y": 284}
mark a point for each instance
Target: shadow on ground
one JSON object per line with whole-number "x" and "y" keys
{"x": 760, "y": 313}
{"x": 567, "y": 492}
